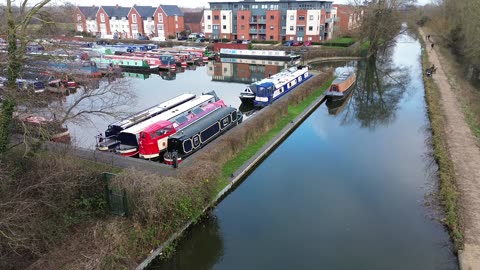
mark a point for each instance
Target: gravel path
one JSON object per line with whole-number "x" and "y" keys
{"x": 466, "y": 159}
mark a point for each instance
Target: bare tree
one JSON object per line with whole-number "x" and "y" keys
{"x": 381, "y": 21}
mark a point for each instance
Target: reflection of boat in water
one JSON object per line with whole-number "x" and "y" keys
{"x": 168, "y": 75}
{"x": 341, "y": 86}
{"x": 335, "y": 106}
{"x": 143, "y": 76}
{"x": 247, "y": 108}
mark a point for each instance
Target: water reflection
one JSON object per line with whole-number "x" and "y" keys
{"x": 243, "y": 70}
{"x": 204, "y": 249}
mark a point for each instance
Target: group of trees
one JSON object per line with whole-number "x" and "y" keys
{"x": 456, "y": 23}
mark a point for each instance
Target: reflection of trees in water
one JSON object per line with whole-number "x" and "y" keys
{"x": 200, "y": 249}
{"x": 379, "y": 89}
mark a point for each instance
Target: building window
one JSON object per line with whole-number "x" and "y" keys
{"x": 310, "y": 38}
{"x": 264, "y": 6}
{"x": 79, "y": 18}
{"x": 176, "y": 26}
{"x": 272, "y": 17}
{"x": 134, "y": 27}
{"x": 310, "y": 28}
{"x": 215, "y": 27}
{"x": 300, "y": 28}
{"x": 271, "y": 27}
{"x": 215, "y": 17}
{"x": 209, "y": 27}
{"x": 242, "y": 17}
{"x": 134, "y": 18}
{"x": 291, "y": 38}
{"x": 254, "y": 6}
{"x": 271, "y": 37}
{"x": 291, "y": 28}
{"x": 102, "y": 17}
{"x": 224, "y": 36}
{"x": 208, "y": 17}
{"x": 242, "y": 37}
{"x": 310, "y": 17}
{"x": 224, "y": 27}
{"x": 160, "y": 27}
{"x": 292, "y": 17}
{"x": 176, "y": 18}
{"x": 242, "y": 27}
{"x": 301, "y": 18}
{"x": 224, "y": 17}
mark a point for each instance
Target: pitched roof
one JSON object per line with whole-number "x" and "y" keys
{"x": 171, "y": 10}
{"x": 116, "y": 11}
{"x": 89, "y": 12}
{"x": 193, "y": 17}
{"x": 145, "y": 11}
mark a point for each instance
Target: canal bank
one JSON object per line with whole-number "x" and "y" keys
{"x": 461, "y": 172}
{"x": 301, "y": 112}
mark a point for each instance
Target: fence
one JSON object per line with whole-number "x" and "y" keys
{"x": 116, "y": 199}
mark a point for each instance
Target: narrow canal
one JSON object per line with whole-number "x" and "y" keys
{"x": 347, "y": 190}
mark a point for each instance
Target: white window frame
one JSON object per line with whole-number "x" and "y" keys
{"x": 160, "y": 17}
{"x": 134, "y": 18}
{"x": 102, "y": 17}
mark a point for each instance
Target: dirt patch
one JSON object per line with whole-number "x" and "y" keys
{"x": 465, "y": 155}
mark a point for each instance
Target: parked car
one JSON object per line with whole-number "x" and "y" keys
{"x": 142, "y": 37}
{"x": 288, "y": 43}
{"x": 297, "y": 43}
{"x": 158, "y": 39}
{"x": 246, "y": 41}
{"x": 182, "y": 37}
{"x": 200, "y": 39}
{"x": 307, "y": 43}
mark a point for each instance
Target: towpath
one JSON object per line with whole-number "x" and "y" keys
{"x": 465, "y": 155}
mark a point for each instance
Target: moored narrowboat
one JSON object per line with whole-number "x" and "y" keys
{"x": 270, "y": 89}
{"x": 129, "y": 138}
{"x": 341, "y": 86}
{"x": 197, "y": 135}
{"x": 153, "y": 140}
{"x": 109, "y": 141}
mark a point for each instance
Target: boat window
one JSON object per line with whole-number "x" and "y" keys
{"x": 225, "y": 122}
{"x": 142, "y": 135}
{"x": 210, "y": 132}
{"x": 196, "y": 141}
{"x": 334, "y": 88}
{"x": 234, "y": 116}
{"x": 261, "y": 91}
{"x": 197, "y": 110}
{"x": 161, "y": 132}
{"x": 152, "y": 135}
{"x": 180, "y": 120}
{"x": 270, "y": 90}
{"x": 187, "y": 146}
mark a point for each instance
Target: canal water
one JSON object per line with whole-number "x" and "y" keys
{"x": 227, "y": 79}
{"x": 348, "y": 189}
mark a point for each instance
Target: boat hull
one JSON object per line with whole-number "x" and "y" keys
{"x": 265, "y": 57}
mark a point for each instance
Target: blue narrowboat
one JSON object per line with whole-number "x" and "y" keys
{"x": 270, "y": 89}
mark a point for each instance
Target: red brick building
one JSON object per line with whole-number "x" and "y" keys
{"x": 169, "y": 21}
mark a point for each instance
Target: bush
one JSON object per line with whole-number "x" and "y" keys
{"x": 225, "y": 40}
{"x": 171, "y": 37}
{"x": 41, "y": 197}
{"x": 255, "y": 41}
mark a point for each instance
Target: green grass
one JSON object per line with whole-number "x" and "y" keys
{"x": 344, "y": 40}
{"x": 252, "y": 148}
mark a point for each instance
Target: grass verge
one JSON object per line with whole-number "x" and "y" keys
{"x": 447, "y": 189}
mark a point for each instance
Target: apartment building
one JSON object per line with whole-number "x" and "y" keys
{"x": 130, "y": 22}
{"x": 349, "y": 18}
{"x": 269, "y": 20}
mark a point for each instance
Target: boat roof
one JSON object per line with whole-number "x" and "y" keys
{"x": 342, "y": 77}
{"x": 157, "y": 125}
{"x": 155, "y": 109}
{"x": 203, "y": 123}
{"x": 175, "y": 111}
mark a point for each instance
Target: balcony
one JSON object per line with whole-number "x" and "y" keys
{"x": 253, "y": 31}
{"x": 258, "y": 21}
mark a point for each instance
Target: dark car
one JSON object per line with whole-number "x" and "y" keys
{"x": 239, "y": 41}
{"x": 288, "y": 43}
{"x": 142, "y": 38}
{"x": 200, "y": 39}
{"x": 297, "y": 43}
{"x": 182, "y": 38}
